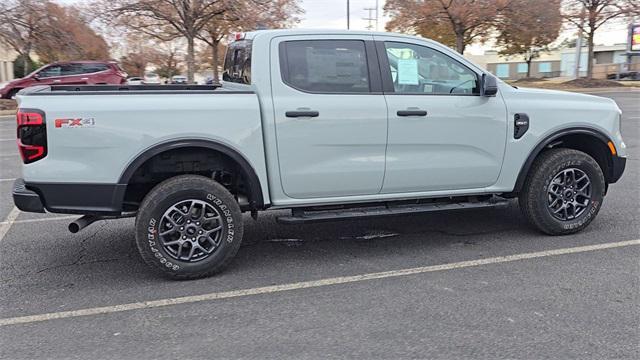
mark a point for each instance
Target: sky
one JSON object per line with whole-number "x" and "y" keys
{"x": 331, "y": 14}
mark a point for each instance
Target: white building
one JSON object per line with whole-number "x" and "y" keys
{"x": 6, "y": 63}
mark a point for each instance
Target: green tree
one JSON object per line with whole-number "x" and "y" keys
{"x": 19, "y": 69}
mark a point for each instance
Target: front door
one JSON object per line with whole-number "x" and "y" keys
{"x": 442, "y": 134}
{"x": 331, "y": 117}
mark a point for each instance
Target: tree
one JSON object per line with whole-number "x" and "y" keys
{"x": 245, "y": 16}
{"x": 69, "y": 37}
{"x": 166, "y": 60}
{"x": 22, "y": 23}
{"x": 456, "y": 23}
{"x": 51, "y": 31}
{"x": 528, "y": 27}
{"x": 596, "y": 13}
{"x": 18, "y": 66}
{"x": 165, "y": 20}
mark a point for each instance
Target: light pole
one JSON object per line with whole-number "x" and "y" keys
{"x": 348, "y": 15}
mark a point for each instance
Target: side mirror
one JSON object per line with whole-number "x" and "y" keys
{"x": 36, "y": 77}
{"x": 489, "y": 85}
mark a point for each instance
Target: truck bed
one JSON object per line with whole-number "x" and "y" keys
{"x": 109, "y": 132}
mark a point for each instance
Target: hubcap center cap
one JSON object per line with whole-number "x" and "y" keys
{"x": 192, "y": 230}
{"x": 568, "y": 194}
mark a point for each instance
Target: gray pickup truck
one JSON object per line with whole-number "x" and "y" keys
{"x": 329, "y": 124}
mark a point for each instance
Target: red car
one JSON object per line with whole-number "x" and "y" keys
{"x": 68, "y": 73}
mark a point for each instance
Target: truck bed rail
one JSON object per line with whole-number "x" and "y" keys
{"x": 46, "y": 90}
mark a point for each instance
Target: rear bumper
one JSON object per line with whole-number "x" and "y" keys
{"x": 25, "y": 199}
{"x": 617, "y": 168}
{"x": 69, "y": 198}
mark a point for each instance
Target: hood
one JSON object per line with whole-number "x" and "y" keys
{"x": 570, "y": 97}
{"x": 19, "y": 81}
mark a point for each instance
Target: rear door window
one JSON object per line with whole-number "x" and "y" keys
{"x": 71, "y": 69}
{"x": 322, "y": 66}
{"x": 237, "y": 62}
{"x": 93, "y": 68}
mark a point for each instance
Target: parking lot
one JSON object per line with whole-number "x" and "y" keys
{"x": 473, "y": 284}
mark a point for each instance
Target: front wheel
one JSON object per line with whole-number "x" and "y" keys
{"x": 563, "y": 192}
{"x": 189, "y": 227}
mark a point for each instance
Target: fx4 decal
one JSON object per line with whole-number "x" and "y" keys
{"x": 75, "y": 123}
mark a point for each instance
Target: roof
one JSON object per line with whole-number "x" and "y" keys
{"x": 290, "y": 32}
{"x": 83, "y": 62}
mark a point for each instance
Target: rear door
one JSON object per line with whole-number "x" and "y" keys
{"x": 442, "y": 134}
{"x": 331, "y": 116}
{"x": 72, "y": 74}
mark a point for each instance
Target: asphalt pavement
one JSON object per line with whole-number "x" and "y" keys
{"x": 461, "y": 285}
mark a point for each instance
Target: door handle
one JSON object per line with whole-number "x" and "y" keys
{"x": 57, "y": 81}
{"x": 84, "y": 78}
{"x": 302, "y": 113}
{"x": 412, "y": 112}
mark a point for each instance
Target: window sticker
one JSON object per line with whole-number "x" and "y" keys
{"x": 408, "y": 72}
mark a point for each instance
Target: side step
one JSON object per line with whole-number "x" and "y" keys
{"x": 303, "y": 216}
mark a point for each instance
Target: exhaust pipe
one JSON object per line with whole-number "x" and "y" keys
{"x": 87, "y": 220}
{"x": 82, "y": 223}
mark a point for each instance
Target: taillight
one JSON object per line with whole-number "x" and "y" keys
{"x": 32, "y": 135}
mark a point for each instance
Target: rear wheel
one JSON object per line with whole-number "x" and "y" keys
{"x": 189, "y": 227}
{"x": 563, "y": 193}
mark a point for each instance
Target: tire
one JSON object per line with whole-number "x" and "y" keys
{"x": 549, "y": 187}
{"x": 166, "y": 233}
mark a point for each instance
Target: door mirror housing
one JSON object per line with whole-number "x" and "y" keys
{"x": 36, "y": 77}
{"x": 489, "y": 85}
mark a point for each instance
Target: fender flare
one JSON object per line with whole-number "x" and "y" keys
{"x": 256, "y": 199}
{"x": 522, "y": 175}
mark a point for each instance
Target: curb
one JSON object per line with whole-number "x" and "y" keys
{"x": 606, "y": 90}
{"x": 7, "y": 112}
{"x": 631, "y": 89}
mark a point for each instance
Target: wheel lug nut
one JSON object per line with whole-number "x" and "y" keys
{"x": 184, "y": 237}
{"x": 182, "y": 228}
{"x": 198, "y": 223}
{"x": 200, "y": 232}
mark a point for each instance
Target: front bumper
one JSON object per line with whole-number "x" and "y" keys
{"x": 618, "y": 165}
{"x": 25, "y": 199}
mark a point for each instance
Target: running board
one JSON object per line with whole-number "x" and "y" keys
{"x": 303, "y": 216}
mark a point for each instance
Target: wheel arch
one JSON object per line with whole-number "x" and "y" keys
{"x": 256, "y": 198}
{"x": 598, "y": 149}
